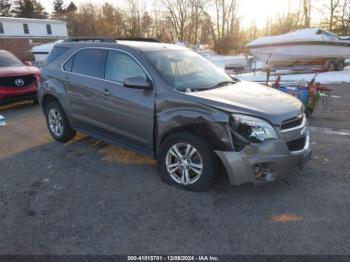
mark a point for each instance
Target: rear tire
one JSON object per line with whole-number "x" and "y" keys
{"x": 187, "y": 161}
{"x": 340, "y": 65}
{"x": 57, "y": 122}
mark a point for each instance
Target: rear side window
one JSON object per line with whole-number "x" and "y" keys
{"x": 68, "y": 65}
{"x": 1, "y": 28}
{"x": 120, "y": 66}
{"x": 55, "y": 53}
{"x": 89, "y": 62}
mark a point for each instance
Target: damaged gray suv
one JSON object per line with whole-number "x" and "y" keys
{"x": 171, "y": 104}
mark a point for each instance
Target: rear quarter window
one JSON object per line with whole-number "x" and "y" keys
{"x": 89, "y": 62}
{"x": 55, "y": 53}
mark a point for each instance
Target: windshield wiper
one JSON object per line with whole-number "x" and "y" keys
{"x": 199, "y": 89}
{"x": 223, "y": 83}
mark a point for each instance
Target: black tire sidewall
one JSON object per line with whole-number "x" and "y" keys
{"x": 68, "y": 133}
{"x": 340, "y": 66}
{"x": 205, "y": 150}
{"x": 330, "y": 66}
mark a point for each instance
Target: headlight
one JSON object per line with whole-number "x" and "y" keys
{"x": 253, "y": 129}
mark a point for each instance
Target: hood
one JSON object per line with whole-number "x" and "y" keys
{"x": 252, "y": 99}
{"x": 18, "y": 71}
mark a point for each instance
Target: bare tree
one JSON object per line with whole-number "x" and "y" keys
{"x": 179, "y": 13}
{"x": 307, "y": 12}
{"x": 226, "y": 24}
{"x": 341, "y": 21}
{"x": 333, "y": 7}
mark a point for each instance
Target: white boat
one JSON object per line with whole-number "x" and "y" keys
{"x": 41, "y": 52}
{"x": 303, "y": 47}
{"x": 231, "y": 64}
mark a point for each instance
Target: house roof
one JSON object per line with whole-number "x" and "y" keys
{"x": 30, "y": 20}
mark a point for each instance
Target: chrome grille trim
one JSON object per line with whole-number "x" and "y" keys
{"x": 303, "y": 123}
{"x": 296, "y": 133}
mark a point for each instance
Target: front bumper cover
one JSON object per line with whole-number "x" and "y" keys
{"x": 273, "y": 156}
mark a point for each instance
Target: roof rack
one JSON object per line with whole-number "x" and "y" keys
{"x": 110, "y": 40}
{"x": 90, "y": 39}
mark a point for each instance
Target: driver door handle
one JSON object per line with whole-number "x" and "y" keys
{"x": 106, "y": 92}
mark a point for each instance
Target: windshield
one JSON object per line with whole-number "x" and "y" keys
{"x": 8, "y": 59}
{"x": 185, "y": 70}
{"x": 328, "y": 35}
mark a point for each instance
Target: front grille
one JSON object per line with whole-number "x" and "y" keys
{"x": 297, "y": 144}
{"x": 292, "y": 122}
{"x": 10, "y": 81}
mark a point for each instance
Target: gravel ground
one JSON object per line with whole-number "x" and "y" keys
{"x": 87, "y": 197}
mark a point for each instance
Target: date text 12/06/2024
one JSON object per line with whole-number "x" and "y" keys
{"x": 173, "y": 258}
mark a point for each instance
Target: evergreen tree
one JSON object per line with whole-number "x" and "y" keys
{"x": 5, "y": 8}
{"x": 29, "y": 9}
{"x": 58, "y": 7}
{"x": 71, "y": 7}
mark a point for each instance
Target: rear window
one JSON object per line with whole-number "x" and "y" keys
{"x": 8, "y": 59}
{"x": 89, "y": 62}
{"x": 55, "y": 53}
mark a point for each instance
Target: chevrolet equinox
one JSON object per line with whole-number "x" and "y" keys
{"x": 170, "y": 103}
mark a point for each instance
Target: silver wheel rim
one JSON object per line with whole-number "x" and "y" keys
{"x": 55, "y": 122}
{"x": 184, "y": 164}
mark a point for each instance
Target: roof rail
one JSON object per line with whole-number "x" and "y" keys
{"x": 90, "y": 39}
{"x": 139, "y": 39}
{"x": 110, "y": 40}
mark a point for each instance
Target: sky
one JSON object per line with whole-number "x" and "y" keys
{"x": 249, "y": 11}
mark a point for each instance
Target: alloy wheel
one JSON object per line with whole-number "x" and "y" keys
{"x": 55, "y": 122}
{"x": 184, "y": 164}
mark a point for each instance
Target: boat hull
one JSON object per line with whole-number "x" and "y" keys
{"x": 294, "y": 54}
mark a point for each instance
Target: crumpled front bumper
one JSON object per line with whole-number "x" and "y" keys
{"x": 272, "y": 157}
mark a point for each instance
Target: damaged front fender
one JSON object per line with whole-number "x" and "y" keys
{"x": 193, "y": 117}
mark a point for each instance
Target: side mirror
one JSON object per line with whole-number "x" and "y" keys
{"x": 137, "y": 82}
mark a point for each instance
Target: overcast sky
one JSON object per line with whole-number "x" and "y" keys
{"x": 248, "y": 10}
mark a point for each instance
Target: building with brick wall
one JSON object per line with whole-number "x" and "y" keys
{"x": 20, "y": 35}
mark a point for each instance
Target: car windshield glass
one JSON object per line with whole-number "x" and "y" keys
{"x": 185, "y": 70}
{"x": 8, "y": 59}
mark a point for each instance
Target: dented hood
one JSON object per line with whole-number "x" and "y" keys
{"x": 252, "y": 99}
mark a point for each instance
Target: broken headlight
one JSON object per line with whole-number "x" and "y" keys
{"x": 254, "y": 130}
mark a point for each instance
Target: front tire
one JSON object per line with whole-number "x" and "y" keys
{"x": 57, "y": 122}
{"x": 187, "y": 161}
{"x": 330, "y": 66}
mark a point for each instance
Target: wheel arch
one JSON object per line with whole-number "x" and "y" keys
{"x": 47, "y": 98}
{"x": 201, "y": 129}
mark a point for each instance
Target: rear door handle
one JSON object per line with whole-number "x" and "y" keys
{"x": 106, "y": 92}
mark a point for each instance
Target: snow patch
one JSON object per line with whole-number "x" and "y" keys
{"x": 327, "y": 77}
